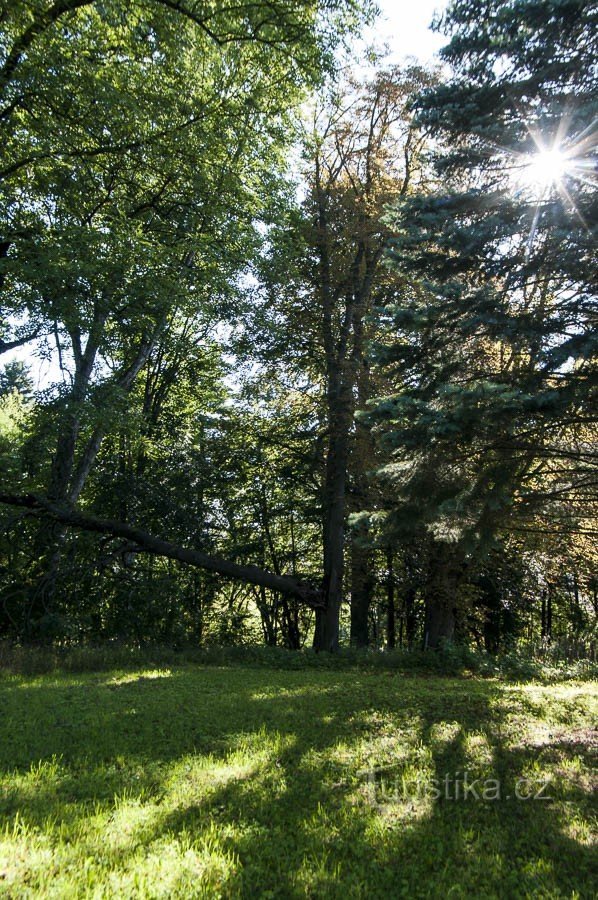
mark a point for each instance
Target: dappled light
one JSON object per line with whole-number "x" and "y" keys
{"x": 214, "y": 798}
{"x": 298, "y": 491}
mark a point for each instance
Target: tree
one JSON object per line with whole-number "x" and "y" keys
{"x": 492, "y": 339}
{"x": 139, "y": 144}
{"x": 85, "y": 86}
{"x": 15, "y": 376}
{"x": 361, "y": 152}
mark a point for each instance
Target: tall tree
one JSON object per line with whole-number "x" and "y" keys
{"x": 361, "y": 152}
{"x": 493, "y": 342}
{"x": 139, "y": 143}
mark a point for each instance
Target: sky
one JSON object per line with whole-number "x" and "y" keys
{"x": 404, "y": 26}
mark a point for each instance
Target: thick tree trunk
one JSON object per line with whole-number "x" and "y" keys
{"x": 326, "y": 635}
{"x": 440, "y": 597}
{"x": 439, "y": 624}
{"x": 344, "y": 307}
{"x": 327, "y": 620}
{"x": 360, "y": 463}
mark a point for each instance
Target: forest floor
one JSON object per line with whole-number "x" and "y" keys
{"x": 241, "y": 781}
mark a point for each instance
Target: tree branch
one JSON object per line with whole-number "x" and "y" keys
{"x": 72, "y": 518}
{"x": 5, "y": 346}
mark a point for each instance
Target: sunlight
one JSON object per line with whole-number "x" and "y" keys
{"x": 558, "y": 167}
{"x": 545, "y": 170}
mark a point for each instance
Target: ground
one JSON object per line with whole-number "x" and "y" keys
{"x": 254, "y": 782}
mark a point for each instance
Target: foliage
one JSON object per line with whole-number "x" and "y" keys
{"x": 493, "y": 334}
{"x": 203, "y": 276}
{"x": 144, "y": 145}
{"x": 488, "y": 431}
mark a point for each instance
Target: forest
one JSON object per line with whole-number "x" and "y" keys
{"x": 298, "y": 583}
{"x": 292, "y": 355}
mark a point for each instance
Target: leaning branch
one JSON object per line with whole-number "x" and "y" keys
{"x": 5, "y": 346}
{"x": 72, "y": 518}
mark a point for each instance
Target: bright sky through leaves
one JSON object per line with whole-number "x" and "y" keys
{"x": 405, "y": 27}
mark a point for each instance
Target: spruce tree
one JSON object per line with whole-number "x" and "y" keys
{"x": 491, "y": 336}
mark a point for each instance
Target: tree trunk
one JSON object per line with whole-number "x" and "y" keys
{"x": 410, "y": 616}
{"x": 67, "y": 479}
{"x": 267, "y": 617}
{"x": 391, "y": 639}
{"x": 47, "y": 544}
{"x": 290, "y": 624}
{"x": 361, "y": 594}
{"x": 343, "y": 343}
{"x": 361, "y": 461}
{"x": 149, "y": 543}
{"x": 440, "y": 597}
{"x": 326, "y": 635}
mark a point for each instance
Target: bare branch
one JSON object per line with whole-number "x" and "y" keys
{"x": 149, "y": 543}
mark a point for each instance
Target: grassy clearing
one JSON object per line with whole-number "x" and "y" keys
{"x": 254, "y": 782}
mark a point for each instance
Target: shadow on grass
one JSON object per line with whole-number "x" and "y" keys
{"x": 273, "y": 764}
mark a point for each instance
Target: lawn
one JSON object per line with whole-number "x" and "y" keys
{"x": 243, "y": 781}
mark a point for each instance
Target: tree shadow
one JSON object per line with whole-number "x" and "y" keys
{"x": 284, "y": 763}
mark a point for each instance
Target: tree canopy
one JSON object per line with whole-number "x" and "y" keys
{"x": 322, "y": 348}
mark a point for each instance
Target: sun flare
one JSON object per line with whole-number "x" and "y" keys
{"x": 559, "y": 168}
{"x": 545, "y": 169}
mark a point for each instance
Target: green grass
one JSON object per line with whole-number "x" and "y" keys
{"x": 246, "y": 781}
{"x": 513, "y": 665}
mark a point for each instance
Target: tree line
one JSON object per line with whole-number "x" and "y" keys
{"x": 321, "y": 348}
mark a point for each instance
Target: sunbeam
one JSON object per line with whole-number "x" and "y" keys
{"x": 544, "y": 170}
